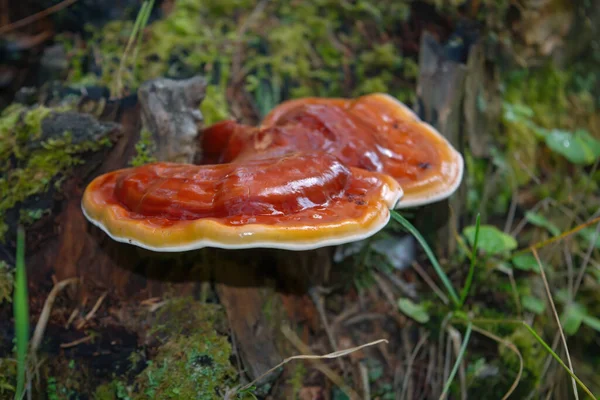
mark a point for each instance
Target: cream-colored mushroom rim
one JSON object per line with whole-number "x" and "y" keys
{"x": 419, "y": 198}
{"x": 196, "y": 234}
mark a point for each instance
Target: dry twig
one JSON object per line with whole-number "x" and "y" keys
{"x": 35, "y": 17}
{"x": 560, "y": 329}
{"x": 40, "y": 327}
{"x": 93, "y": 311}
{"x": 295, "y": 340}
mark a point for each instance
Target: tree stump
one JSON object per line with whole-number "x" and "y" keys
{"x": 458, "y": 95}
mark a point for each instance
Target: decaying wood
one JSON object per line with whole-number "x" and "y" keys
{"x": 459, "y": 96}
{"x": 440, "y": 90}
{"x": 481, "y": 106}
{"x": 170, "y": 111}
{"x": 129, "y": 274}
{"x": 254, "y": 335}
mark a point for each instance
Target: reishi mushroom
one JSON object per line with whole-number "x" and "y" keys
{"x": 374, "y": 132}
{"x": 317, "y": 172}
{"x": 297, "y": 202}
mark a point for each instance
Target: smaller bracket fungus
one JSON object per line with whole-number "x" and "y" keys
{"x": 297, "y": 202}
{"x": 374, "y": 132}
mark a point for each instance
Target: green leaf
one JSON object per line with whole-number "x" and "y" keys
{"x": 578, "y": 147}
{"x": 588, "y": 234}
{"x": 572, "y": 317}
{"x": 525, "y": 262}
{"x": 592, "y": 322}
{"x": 491, "y": 239}
{"x": 592, "y": 142}
{"x": 543, "y": 222}
{"x": 338, "y": 394}
{"x": 414, "y": 311}
{"x": 533, "y": 304}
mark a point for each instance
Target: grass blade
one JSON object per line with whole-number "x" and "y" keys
{"x": 555, "y": 313}
{"x": 557, "y": 238}
{"x": 436, "y": 265}
{"x": 116, "y": 89}
{"x": 459, "y": 358}
{"x": 558, "y": 359}
{"x": 21, "y": 313}
{"x": 511, "y": 346}
{"x": 144, "y": 22}
{"x": 465, "y": 291}
{"x": 541, "y": 341}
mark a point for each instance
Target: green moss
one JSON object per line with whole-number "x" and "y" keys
{"x": 144, "y": 149}
{"x": 6, "y": 283}
{"x": 214, "y": 106}
{"x": 186, "y": 316}
{"x": 66, "y": 379}
{"x": 115, "y": 390}
{"x": 38, "y": 164}
{"x": 8, "y": 374}
{"x": 533, "y": 360}
{"x": 296, "y": 380}
{"x": 311, "y": 48}
{"x": 29, "y": 216}
{"x": 17, "y": 126}
{"x": 193, "y": 361}
{"x": 536, "y": 102}
{"x": 189, "y": 367}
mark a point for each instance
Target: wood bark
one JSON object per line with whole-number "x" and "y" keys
{"x": 72, "y": 247}
{"x": 462, "y": 101}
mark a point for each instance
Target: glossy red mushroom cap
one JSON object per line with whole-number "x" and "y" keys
{"x": 374, "y": 132}
{"x": 296, "y": 202}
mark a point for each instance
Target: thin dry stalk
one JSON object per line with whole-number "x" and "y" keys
{"x": 385, "y": 289}
{"x": 72, "y": 317}
{"x": 560, "y": 329}
{"x": 513, "y": 285}
{"x": 37, "y": 16}
{"x": 523, "y": 222}
{"x": 430, "y": 282}
{"x": 93, "y": 311}
{"x": 406, "y": 288}
{"x": 439, "y": 380}
{"x": 347, "y": 313}
{"x": 511, "y": 347}
{"x": 447, "y": 360}
{"x": 586, "y": 260}
{"x": 40, "y": 327}
{"x": 514, "y": 201}
{"x": 569, "y": 261}
{"x": 456, "y": 337}
{"x": 335, "y": 378}
{"x": 407, "y": 349}
{"x": 411, "y": 360}
{"x": 237, "y": 58}
{"x": 77, "y": 342}
{"x": 559, "y": 237}
{"x": 316, "y": 299}
{"x": 430, "y": 370}
{"x": 364, "y": 377}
